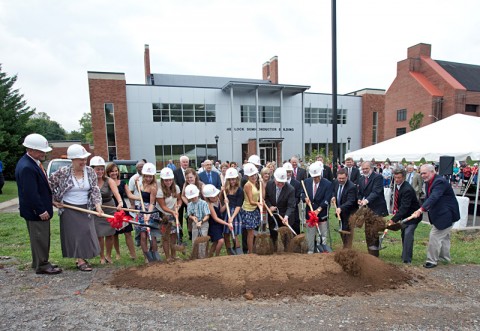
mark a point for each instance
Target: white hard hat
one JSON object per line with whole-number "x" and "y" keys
{"x": 37, "y": 141}
{"x": 288, "y": 166}
{"x": 231, "y": 173}
{"x": 149, "y": 169}
{"x": 210, "y": 191}
{"x": 76, "y": 151}
{"x": 316, "y": 169}
{"x": 255, "y": 159}
{"x": 191, "y": 191}
{"x": 97, "y": 161}
{"x": 250, "y": 169}
{"x": 280, "y": 175}
{"x": 166, "y": 173}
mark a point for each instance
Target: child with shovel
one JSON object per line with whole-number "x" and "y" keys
{"x": 168, "y": 201}
{"x": 234, "y": 200}
{"x": 199, "y": 213}
{"x": 216, "y": 222}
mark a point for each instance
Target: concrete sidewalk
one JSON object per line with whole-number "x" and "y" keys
{"x": 8, "y": 204}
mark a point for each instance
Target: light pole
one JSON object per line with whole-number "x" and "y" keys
{"x": 348, "y": 144}
{"x": 216, "y": 144}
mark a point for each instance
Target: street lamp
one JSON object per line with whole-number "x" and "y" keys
{"x": 435, "y": 117}
{"x": 216, "y": 143}
{"x": 348, "y": 142}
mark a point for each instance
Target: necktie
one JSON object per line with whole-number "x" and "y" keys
{"x": 366, "y": 180}
{"x": 277, "y": 195}
{"x": 339, "y": 195}
{"x": 349, "y": 172}
{"x": 410, "y": 178}
{"x": 43, "y": 170}
{"x": 395, "y": 201}
{"x": 295, "y": 173}
{"x": 209, "y": 175}
{"x": 315, "y": 186}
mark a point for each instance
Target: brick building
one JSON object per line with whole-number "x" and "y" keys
{"x": 437, "y": 89}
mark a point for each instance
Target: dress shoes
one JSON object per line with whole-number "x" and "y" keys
{"x": 429, "y": 265}
{"x": 49, "y": 271}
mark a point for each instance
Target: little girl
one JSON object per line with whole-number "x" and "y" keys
{"x": 148, "y": 190}
{"x": 235, "y": 201}
{"x": 251, "y": 203}
{"x": 216, "y": 223}
{"x": 168, "y": 200}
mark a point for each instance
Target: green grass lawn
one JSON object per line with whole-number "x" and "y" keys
{"x": 14, "y": 242}
{"x": 9, "y": 191}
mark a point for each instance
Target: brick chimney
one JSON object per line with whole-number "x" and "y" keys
{"x": 419, "y": 50}
{"x": 146, "y": 61}
{"x": 274, "y": 70}
{"x": 270, "y": 70}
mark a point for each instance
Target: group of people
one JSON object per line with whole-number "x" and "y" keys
{"x": 222, "y": 203}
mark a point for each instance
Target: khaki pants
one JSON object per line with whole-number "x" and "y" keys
{"x": 439, "y": 245}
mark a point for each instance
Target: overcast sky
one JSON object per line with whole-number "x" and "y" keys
{"x": 52, "y": 44}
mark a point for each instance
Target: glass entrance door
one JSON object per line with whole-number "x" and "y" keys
{"x": 268, "y": 153}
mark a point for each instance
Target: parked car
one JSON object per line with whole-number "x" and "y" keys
{"x": 56, "y": 164}
{"x": 126, "y": 168}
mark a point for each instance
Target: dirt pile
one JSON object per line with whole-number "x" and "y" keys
{"x": 266, "y": 276}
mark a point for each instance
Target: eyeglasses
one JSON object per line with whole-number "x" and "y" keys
{"x": 423, "y": 173}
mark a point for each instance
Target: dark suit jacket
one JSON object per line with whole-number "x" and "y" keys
{"x": 373, "y": 192}
{"x": 286, "y": 200}
{"x": 327, "y": 173}
{"x": 298, "y": 195}
{"x": 301, "y": 174}
{"x": 407, "y": 203}
{"x": 322, "y": 196}
{"x": 216, "y": 181}
{"x": 178, "y": 177}
{"x": 348, "y": 200}
{"x": 34, "y": 194}
{"x": 441, "y": 203}
{"x": 355, "y": 174}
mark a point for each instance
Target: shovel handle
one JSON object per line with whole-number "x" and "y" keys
{"x": 140, "y": 192}
{"x": 88, "y": 211}
{"x": 306, "y": 194}
{"x": 282, "y": 219}
{"x": 335, "y": 206}
{"x": 228, "y": 212}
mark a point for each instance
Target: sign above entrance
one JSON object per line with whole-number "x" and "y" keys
{"x": 261, "y": 129}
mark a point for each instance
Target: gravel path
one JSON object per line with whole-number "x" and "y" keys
{"x": 444, "y": 298}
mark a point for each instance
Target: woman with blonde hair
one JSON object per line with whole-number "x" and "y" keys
{"x": 234, "y": 200}
{"x": 251, "y": 203}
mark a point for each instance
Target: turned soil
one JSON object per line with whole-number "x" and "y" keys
{"x": 341, "y": 274}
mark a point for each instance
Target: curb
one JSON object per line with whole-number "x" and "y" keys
{"x": 9, "y": 203}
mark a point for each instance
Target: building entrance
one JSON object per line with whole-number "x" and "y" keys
{"x": 268, "y": 153}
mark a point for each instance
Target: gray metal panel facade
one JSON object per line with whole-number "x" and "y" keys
{"x": 145, "y": 133}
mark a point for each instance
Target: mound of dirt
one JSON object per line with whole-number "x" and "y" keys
{"x": 266, "y": 276}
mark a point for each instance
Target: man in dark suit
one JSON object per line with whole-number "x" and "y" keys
{"x": 405, "y": 203}
{"x": 442, "y": 207}
{"x": 327, "y": 172}
{"x": 370, "y": 193}
{"x": 345, "y": 197}
{"x": 298, "y": 172}
{"x": 280, "y": 197}
{"x": 209, "y": 176}
{"x": 179, "y": 177}
{"x": 352, "y": 172}
{"x": 298, "y": 195}
{"x": 35, "y": 199}
{"x": 319, "y": 193}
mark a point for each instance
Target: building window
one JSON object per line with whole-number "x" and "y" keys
{"x": 176, "y": 112}
{"x": 375, "y": 128}
{"x": 324, "y": 116}
{"x": 401, "y": 131}
{"x": 267, "y": 114}
{"x": 471, "y": 108}
{"x": 196, "y": 154}
{"x": 401, "y": 115}
{"x": 110, "y": 129}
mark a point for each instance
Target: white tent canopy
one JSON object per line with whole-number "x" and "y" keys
{"x": 455, "y": 136}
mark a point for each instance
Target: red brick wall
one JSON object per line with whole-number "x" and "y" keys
{"x": 372, "y": 103}
{"x": 109, "y": 91}
{"x": 274, "y": 70}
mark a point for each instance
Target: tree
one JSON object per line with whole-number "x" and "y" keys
{"x": 416, "y": 121}
{"x": 86, "y": 127}
{"x": 42, "y": 124}
{"x": 14, "y": 115}
{"x": 75, "y": 135}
